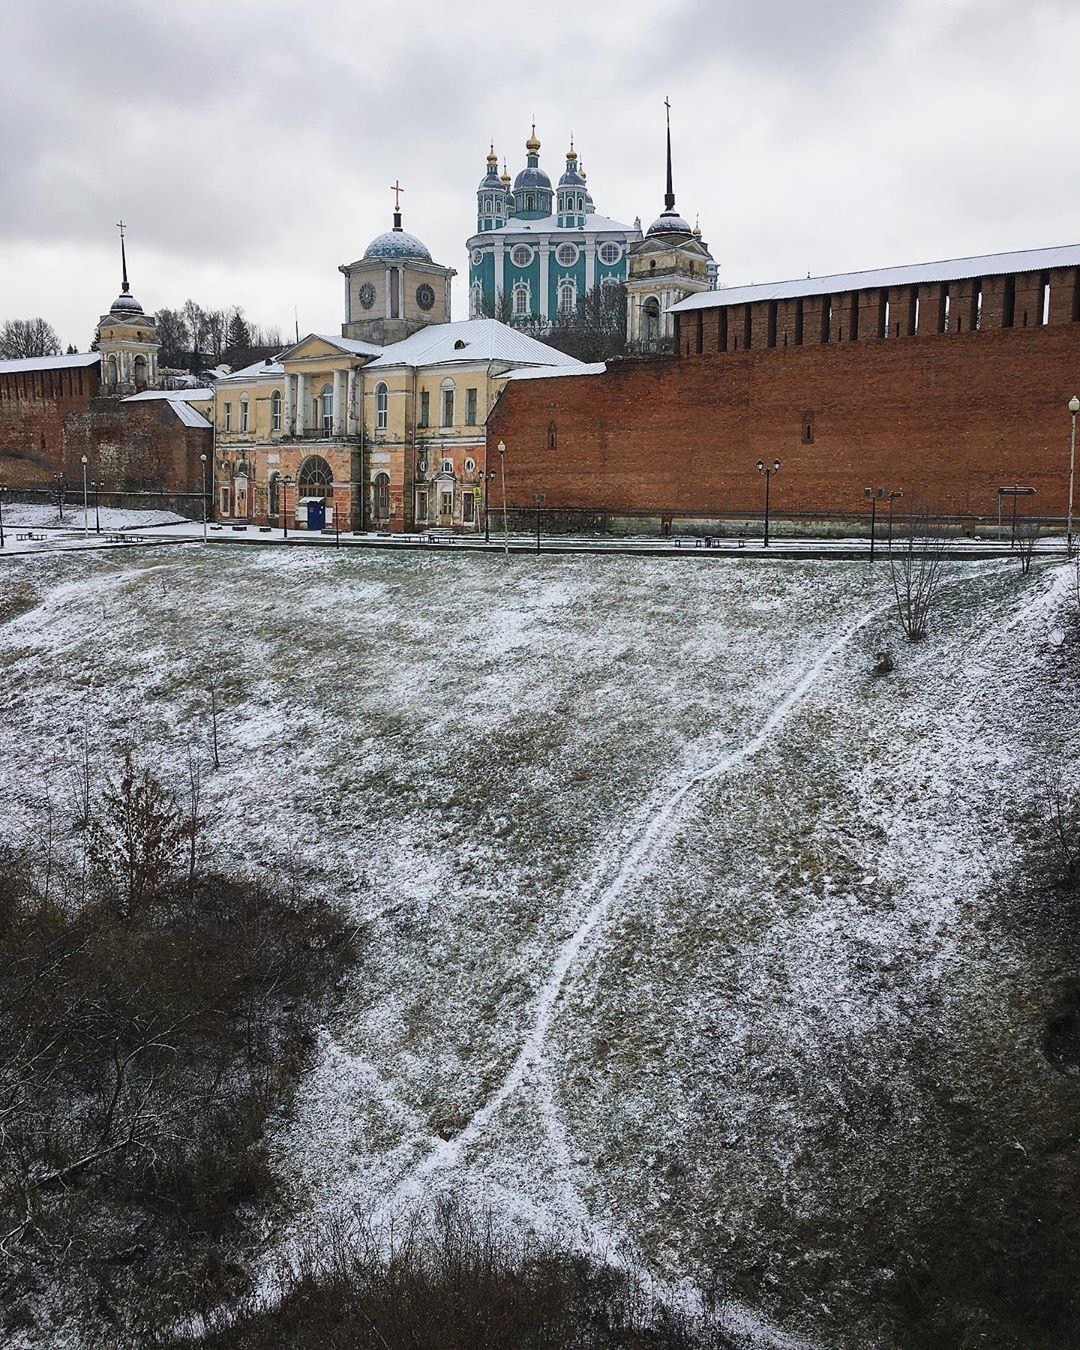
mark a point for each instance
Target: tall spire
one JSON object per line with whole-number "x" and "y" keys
{"x": 125, "y": 289}
{"x": 669, "y": 195}
{"x": 397, "y": 190}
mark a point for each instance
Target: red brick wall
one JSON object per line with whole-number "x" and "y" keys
{"x": 37, "y": 408}
{"x": 945, "y": 419}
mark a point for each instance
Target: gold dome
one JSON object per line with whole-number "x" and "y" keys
{"x": 492, "y": 158}
{"x": 504, "y": 177}
{"x": 571, "y": 154}
{"x": 532, "y": 144}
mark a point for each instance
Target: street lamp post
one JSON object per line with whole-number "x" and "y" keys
{"x": 1074, "y": 408}
{"x": 502, "y": 471}
{"x": 1013, "y": 492}
{"x": 893, "y": 497}
{"x": 3, "y": 494}
{"x": 767, "y": 471}
{"x": 85, "y": 500}
{"x": 337, "y": 522}
{"x": 489, "y": 474}
{"x": 204, "y": 534}
{"x": 60, "y": 493}
{"x": 96, "y": 485}
{"x": 874, "y": 494}
{"x": 539, "y": 499}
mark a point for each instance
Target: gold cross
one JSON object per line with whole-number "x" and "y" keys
{"x": 120, "y": 227}
{"x": 397, "y": 190}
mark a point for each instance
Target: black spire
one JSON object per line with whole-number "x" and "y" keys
{"x": 397, "y": 190}
{"x": 669, "y": 195}
{"x": 125, "y": 289}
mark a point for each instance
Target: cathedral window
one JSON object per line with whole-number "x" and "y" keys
{"x": 477, "y": 301}
{"x": 567, "y": 297}
{"x": 522, "y": 255}
{"x": 609, "y": 253}
{"x": 566, "y": 255}
{"x": 275, "y": 410}
{"x": 448, "y": 403}
{"x": 521, "y": 300}
{"x": 244, "y": 412}
{"x": 382, "y": 407}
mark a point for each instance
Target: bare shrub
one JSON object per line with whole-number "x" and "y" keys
{"x": 1027, "y": 535}
{"x": 915, "y": 569}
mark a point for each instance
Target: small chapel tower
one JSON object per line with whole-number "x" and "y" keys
{"x": 127, "y": 340}
{"x": 395, "y": 289}
{"x": 670, "y": 263}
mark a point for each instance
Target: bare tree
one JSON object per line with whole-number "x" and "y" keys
{"x": 596, "y": 329}
{"x": 1027, "y": 534}
{"x": 21, "y": 338}
{"x": 501, "y": 307}
{"x": 174, "y": 336}
{"x": 194, "y": 318}
{"x": 915, "y": 570}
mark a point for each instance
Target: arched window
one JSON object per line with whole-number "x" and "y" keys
{"x": 275, "y": 410}
{"x": 314, "y": 478}
{"x": 552, "y": 436}
{"x": 521, "y": 299}
{"x": 651, "y": 315}
{"x": 567, "y": 297}
{"x": 141, "y": 379}
{"x": 272, "y": 494}
{"x": 113, "y": 377}
{"x": 327, "y": 399}
{"x": 244, "y": 412}
{"x": 381, "y": 407}
{"x": 381, "y": 496}
{"x": 447, "y": 402}
{"x": 477, "y": 304}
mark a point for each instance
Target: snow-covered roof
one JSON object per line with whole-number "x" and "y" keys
{"x": 199, "y": 394}
{"x": 351, "y": 344}
{"x": 556, "y": 372}
{"x": 594, "y": 224}
{"x": 191, "y": 417}
{"x": 259, "y": 370}
{"x": 952, "y": 269}
{"x": 49, "y": 362}
{"x": 471, "y": 340}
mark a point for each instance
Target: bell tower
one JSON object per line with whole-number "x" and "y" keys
{"x": 127, "y": 340}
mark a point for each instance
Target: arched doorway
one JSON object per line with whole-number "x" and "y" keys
{"x": 141, "y": 373}
{"x": 381, "y": 497}
{"x": 650, "y": 327}
{"x": 314, "y": 486}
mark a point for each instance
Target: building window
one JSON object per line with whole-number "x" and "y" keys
{"x": 566, "y": 255}
{"x": 447, "y": 503}
{"x": 223, "y": 501}
{"x": 470, "y": 407}
{"x": 327, "y": 409}
{"x": 382, "y": 407}
{"x": 651, "y": 320}
{"x": 381, "y": 496}
{"x": 521, "y": 300}
{"x": 448, "y": 466}
{"x": 275, "y": 410}
{"x": 272, "y": 494}
{"x": 567, "y": 297}
{"x": 522, "y": 255}
{"x": 477, "y": 304}
{"x": 447, "y": 403}
{"x": 228, "y": 417}
{"x": 425, "y": 408}
{"x": 244, "y": 413}
{"x": 421, "y": 506}
{"x": 315, "y": 478}
{"x": 808, "y": 428}
{"x": 467, "y": 509}
{"x": 609, "y": 253}
{"x": 552, "y": 436}
{"x": 470, "y": 466}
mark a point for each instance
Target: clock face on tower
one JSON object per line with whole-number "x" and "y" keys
{"x": 425, "y": 296}
{"x": 367, "y": 295}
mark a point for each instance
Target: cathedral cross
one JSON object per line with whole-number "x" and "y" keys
{"x": 397, "y": 190}
{"x": 120, "y": 227}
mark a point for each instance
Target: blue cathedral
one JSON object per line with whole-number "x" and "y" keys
{"x": 539, "y": 249}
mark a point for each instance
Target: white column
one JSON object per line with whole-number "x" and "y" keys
{"x": 301, "y": 402}
{"x": 290, "y": 407}
{"x": 500, "y": 271}
{"x": 338, "y": 422}
{"x": 544, "y": 309}
{"x": 388, "y": 271}
{"x": 350, "y": 405}
{"x": 348, "y": 302}
{"x": 590, "y": 265}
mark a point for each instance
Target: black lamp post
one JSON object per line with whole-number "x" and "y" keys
{"x": 60, "y": 493}
{"x": 502, "y": 470}
{"x": 96, "y": 485}
{"x": 539, "y": 498}
{"x": 85, "y": 499}
{"x": 767, "y": 471}
{"x": 3, "y": 494}
{"x": 337, "y": 521}
{"x": 203, "y": 459}
{"x": 874, "y": 494}
{"x": 489, "y": 474}
{"x": 1074, "y": 408}
{"x": 285, "y": 505}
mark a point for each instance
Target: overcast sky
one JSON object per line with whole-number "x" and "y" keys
{"x": 250, "y": 146}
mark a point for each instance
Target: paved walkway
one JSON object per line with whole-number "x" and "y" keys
{"x": 53, "y": 539}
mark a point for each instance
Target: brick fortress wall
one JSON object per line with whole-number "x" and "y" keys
{"x": 50, "y": 419}
{"x": 946, "y": 418}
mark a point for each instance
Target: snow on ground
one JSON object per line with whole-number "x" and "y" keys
{"x": 43, "y": 515}
{"x": 655, "y": 880}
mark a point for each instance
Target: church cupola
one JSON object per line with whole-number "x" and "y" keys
{"x": 571, "y": 194}
{"x": 490, "y": 197}
{"x": 532, "y": 186}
